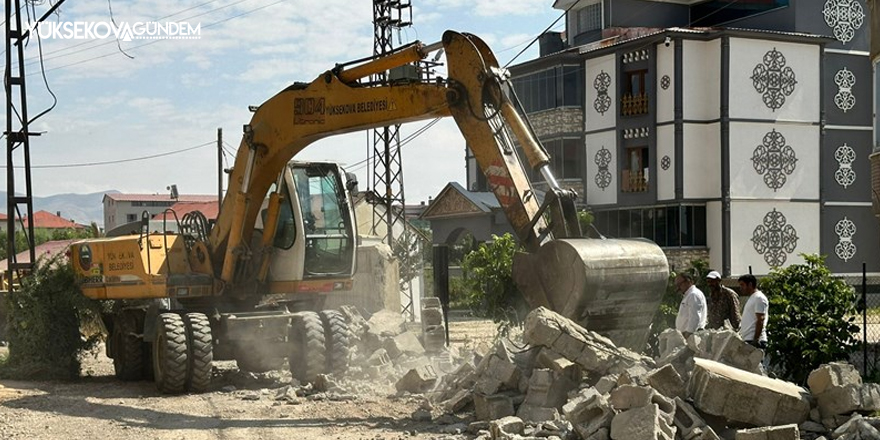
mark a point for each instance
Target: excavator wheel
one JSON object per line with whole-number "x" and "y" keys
{"x": 128, "y": 356}
{"x": 201, "y": 352}
{"x": 307, "y": 358}
{"x": 170, "y": 354}
{"x": 337, "y": 337}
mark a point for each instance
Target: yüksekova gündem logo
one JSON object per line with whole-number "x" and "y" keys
{"x": 98, "y": 30}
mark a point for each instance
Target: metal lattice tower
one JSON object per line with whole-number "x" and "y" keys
{"x": 18, "y": 159}
{"x": 387, "y": 179}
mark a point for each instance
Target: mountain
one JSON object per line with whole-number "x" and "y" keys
{"x": 81, "y": 208}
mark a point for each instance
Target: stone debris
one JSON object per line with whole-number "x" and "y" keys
{"x": 741, "y": 396}
{"x": 562, "y": 381}
{"x": 839, "y": 390}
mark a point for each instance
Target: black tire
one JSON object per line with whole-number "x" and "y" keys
{"x": 337, "y": 336}
{"x": 307, "y": 358}
{"x": 128, "y": 356}
{"x": 201, "y": 352}
{"x": 170, "y": 354}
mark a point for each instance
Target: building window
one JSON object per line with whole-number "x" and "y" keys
{"x": 550, "y": 88}
{"x": 589, "y": 18}
{"x": 634, "y": 177}
{"x": 131, "y": 218}
{"x": 668, "y": 226}
{"x": 634, "y": 100}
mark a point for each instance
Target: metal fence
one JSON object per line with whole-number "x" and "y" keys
{"x": 867, "y": 357}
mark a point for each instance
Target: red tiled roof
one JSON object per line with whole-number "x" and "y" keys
{"x": 119, "y": 197}
{"x": 47, "y": 220}
{"x": 210, "y": 209}
{"x": 47, "y": 249}
{"x": 3, "y": 216}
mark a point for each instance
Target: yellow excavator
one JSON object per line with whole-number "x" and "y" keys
{"x": 250, "y": 287}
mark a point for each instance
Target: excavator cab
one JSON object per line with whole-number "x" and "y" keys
{"x": 315, "y": 236}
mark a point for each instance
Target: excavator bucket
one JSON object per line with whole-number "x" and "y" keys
{"x": 611, "y": 286}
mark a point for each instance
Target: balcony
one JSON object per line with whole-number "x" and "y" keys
{"x": 632, "y": 105}
{"x": 634, "y": 182}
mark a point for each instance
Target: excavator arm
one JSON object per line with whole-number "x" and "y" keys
{"x": 341, "y": 101}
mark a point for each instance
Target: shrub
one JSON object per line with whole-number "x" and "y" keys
{"x": 488, "y": 282}
{"x": 811, "y": 318}
{"x": 44, "y": 322}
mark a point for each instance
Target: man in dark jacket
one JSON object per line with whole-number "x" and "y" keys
{"x": 723, "y": 303}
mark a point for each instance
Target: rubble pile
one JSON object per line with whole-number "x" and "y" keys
{"x": 567, "y": 382}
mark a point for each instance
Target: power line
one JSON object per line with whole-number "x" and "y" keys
{"x": 156, "y": 41}
{"x": 111, "y": 162}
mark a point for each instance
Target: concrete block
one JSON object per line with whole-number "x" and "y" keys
{"x": 492, "y": 407}
{"x": 434, "y": 338}
{"x": 682, "y": 359}
{"x": 379, "y": 357}
{"x": 506, "y": 426}
{"x": 669, "y": 340}
{"x": 536, "y": 414}
{"x": 630, "y": 396}
{"x": 431, "y": 317}
{"x": 857, "y": 427}
{"x": 386, "y": 323}
{"x": 745, "y": 397}
{"x": 727, "y": 347}
{"x": 688, "y": 421}
{"x": 563, "y": 367}
{"x": 404, "y": 343}
{"x": 642, "y": 423}
{"x": 606, "y": 383}
{"x": 417, "y": 380}
{"x": 839, "y": 400}
{"x": 540, "y": 329}
{"x": 589, "y": 414}
{"x": 785, "y": 432}
{"x": 666, "y": 381}
{"x": 497, "y": 374}
{"x": 833, "y": 375}
{"x": 459, "y": 401}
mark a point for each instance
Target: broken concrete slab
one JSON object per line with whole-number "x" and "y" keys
{"x": 857, "y": 427}
{"x": 546, "y": 389}
{"x": 434, "y": 338}
{"x": 588, "y": 349}
{"x": 457, "y": 402}
{"x": 606, "y": 383}
{"x": 832, "y": 375}
{"x": 497, "y": 374}
{"x": 785, "y": 432}
{"x": 666, "y": 381}
{"x": 417, "y": 380}
{"x": 506, "y": 426}
{"x": 535, "y": 413}
{"x": 641, "y": 423}
{"x": 745, "y": 397}
{"x": 631, "y": 396}
{"x": 492, "y": 407}
{"x": 669, "y": 340}
{"x": 404, "y": 343}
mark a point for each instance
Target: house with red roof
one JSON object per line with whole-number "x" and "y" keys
{"x": 47, "y": 220}
{"x": 120, "y": 209}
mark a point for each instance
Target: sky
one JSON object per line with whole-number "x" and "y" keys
{"x": 128, "y": 100}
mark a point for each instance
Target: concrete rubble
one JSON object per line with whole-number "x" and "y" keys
{"x": 561, "y": 381}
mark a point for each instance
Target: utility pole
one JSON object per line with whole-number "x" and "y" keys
{"x": 390, "y": 15}
{"x": 219, "y": 166}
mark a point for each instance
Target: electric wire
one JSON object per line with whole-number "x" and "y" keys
{"x": 118, "y": 161}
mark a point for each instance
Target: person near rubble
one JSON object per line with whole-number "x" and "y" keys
{"x": 692, "y": 309}
{"x": 723, "y": 303}
{"x": 756, "y": 313}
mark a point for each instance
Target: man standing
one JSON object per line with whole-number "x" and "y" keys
{"x": 692, "y": 310}
{"x": 723, "y": 303}
{"x": 755, "y": 314}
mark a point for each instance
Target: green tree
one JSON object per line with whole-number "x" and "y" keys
{"x": 812, "y": 318}
{"x": 45, "y": 322}
{"x": 488, "y": 282}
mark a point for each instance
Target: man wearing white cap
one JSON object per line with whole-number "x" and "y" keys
{"x": 723, "y": 303}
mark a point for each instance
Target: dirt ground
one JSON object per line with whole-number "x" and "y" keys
{"x": 240, "y": 406}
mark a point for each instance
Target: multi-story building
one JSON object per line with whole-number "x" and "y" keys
{"x": 737, "y": 131}
{"x": 120, "y": 209}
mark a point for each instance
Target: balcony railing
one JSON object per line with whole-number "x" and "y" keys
{"x": 634, "y": 104}
{"x": 634, "y": 182}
